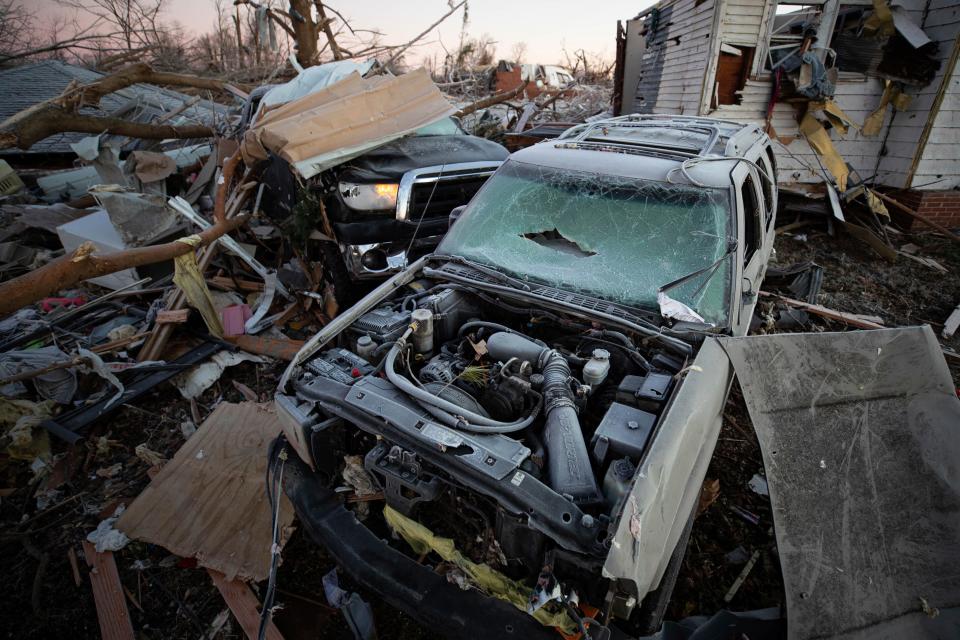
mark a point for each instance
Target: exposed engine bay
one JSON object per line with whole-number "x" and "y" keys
{"x": 515, "y": 429}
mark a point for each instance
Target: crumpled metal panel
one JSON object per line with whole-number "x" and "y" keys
{"x": 860, "y": 433}
{"x": 668, "y": 482}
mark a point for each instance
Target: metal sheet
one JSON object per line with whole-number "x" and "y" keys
{"x": 860, "y": 433}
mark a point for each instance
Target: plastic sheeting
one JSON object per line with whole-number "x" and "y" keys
{"x": 313, "y": 79}
{"x": 492, "y": 582}
{"x": 860, "y": 433}
{"x": 187, "y": 276}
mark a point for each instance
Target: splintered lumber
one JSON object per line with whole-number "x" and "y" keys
{"x": 243, "y": 605}
{"x": 916, "y": 216}
{"x": 270, "y": 347}
{"x": 824, "y": 312}
{"x": 210, "y": 502}
{"x": 108, "y": 595}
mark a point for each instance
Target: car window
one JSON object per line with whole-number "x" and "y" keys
{"x": 767, "y": 188}
{"x": 751, "y": 218}
{"x": 442, "y": 127}
{"x": 615, "y": 238}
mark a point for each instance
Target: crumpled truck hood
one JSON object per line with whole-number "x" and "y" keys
{"x": 860, "y": 434}
{"x": 392, "y": 160}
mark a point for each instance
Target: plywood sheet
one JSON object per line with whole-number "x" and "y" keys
{"x": 210, "y": 501}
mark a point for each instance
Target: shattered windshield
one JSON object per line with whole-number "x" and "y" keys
{"x": 615, "y": 238}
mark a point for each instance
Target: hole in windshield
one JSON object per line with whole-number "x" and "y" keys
{"x": 553, "y": 239}
{"x": 607, "y": 236}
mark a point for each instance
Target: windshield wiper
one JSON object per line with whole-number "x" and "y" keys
{"x": 712, "y": 268}
{"x": 484, "y": 269}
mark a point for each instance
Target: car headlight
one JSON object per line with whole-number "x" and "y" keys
{"x": 369, "y": 197}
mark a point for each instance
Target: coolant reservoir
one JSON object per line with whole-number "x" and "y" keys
{"x": 597, "y": 368}
{"x": 366, "y": 347}
{"x": 616, "y": 482}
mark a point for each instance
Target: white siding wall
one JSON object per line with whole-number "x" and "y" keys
{"x": 682, "y": 43}
{"x": 889, "y": 155}
{"x": 939, "y": 166}
{"x": 858, "y": 98}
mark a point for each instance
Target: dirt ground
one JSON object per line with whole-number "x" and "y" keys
{"x": 169, "y": 597}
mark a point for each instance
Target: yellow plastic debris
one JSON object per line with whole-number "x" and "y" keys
{"x": 820, "y": 141}
{"x": 187, "y": 276}
{"x": 492, "y": 582}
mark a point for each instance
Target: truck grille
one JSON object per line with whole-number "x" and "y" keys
{"x": 448, "y": 194}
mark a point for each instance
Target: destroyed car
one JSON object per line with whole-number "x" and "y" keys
{"x": 536, "y": 402}
{"x": 390, "y": 200}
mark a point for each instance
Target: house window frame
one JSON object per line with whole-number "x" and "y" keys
{"x": 828, "y": 18}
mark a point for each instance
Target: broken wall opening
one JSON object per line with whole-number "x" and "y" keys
{"x": 733, "y": 69}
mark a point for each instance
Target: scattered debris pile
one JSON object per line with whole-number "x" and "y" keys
{"x": 145, "y": 266}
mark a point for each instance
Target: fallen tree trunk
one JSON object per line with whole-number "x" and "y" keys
{"x": 492, "y": 100}
{"x": 52, "y": 119}
{"x": 83, "y": 264}
{"x": 60, "y": 114}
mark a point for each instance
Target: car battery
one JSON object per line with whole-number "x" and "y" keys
{"x": 623, "y": 432}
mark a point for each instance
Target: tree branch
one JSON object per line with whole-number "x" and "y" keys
{"x": 409, "y": 44}
{"x": 23, "y": 132}
{"x": 83, "y": 264}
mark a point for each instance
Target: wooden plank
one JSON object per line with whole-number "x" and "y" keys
{"x": 831, "y": 314}
{"x": 112, "y": 612}
{"x": 243, "y": 605}
{"x": 210, "y": 502}
{"x": 952, "y": 324}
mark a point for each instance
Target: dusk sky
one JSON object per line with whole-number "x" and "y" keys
{"x": 546, "y": 27}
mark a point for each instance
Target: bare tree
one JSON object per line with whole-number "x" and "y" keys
{"x": 518, "y": 53}
{"x": 137, "y": 23}
{"x": 16, "y": 26}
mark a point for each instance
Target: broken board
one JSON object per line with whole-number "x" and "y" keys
{"x": 112, "y": 612}
{"x": 210, "y": 501}
{"x": 244, "y": 606}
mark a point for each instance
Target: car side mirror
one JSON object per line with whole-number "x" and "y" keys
{"x": 455, "y": 215}
{"x": 748, "y": 294}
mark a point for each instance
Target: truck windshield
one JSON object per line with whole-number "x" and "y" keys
{"x": 611, "y": 237}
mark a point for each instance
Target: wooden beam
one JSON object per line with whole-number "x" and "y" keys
{"x": 916, "y": 216}
{"x": 108, "y": 595}
{"x": 824, "y": 312}
{"x": 244, "y": 605}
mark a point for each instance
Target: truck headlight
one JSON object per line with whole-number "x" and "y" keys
{"x": 369, "y": 197}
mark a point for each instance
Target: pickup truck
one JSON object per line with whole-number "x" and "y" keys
{"x": 390, "y": 205}
{"x": 538, "y": 400}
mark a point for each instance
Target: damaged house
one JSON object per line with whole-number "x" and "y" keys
{"x": 855, "y": 91}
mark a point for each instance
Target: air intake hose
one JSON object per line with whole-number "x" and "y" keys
{"x": 568, "y": 463}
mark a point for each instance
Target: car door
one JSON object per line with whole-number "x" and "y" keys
{"x": 754, "y": 228}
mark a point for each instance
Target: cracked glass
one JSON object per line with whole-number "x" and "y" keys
{"x": 611, "y": 237}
